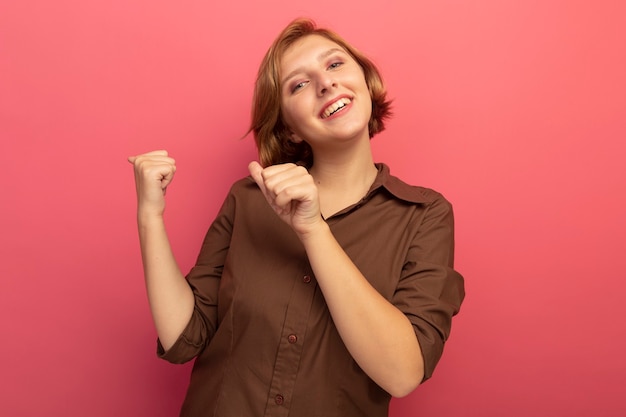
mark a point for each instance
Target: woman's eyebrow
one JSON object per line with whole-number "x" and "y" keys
{"x": 320, "y": 57}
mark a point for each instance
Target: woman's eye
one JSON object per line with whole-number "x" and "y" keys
{"x": 298, "y": 86}
{"x": 335, "y": 65}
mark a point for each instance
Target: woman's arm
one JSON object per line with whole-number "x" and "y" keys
{"x": 170, "y": 297}
{"x": 378, "y": 336}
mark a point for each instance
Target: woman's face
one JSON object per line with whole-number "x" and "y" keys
{"x": 325, "y": 98}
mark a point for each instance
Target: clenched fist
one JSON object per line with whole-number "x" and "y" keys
{"x": 291, "y": 192}
{"x": 154, "y": 171}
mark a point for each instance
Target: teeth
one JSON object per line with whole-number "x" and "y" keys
{"x": 336, "y": 106}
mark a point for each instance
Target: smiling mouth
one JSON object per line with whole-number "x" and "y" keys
{"x": 335, "y": 107}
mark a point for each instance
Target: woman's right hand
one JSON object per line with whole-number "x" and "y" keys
{"x": 154, "y": 171}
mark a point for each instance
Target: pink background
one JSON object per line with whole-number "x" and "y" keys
{"x": 515, "y": 110}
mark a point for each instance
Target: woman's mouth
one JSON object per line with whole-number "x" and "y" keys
{"x": 335, "y": 107}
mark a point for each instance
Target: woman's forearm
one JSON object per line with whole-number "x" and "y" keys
{"x": 170, "y": 296}
{"x": 378, "y": 335}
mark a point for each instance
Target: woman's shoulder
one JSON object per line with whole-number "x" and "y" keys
{"x": 408, "y": 192}
{"x": 247, "y": 191}
{"x": 244, "y": 184}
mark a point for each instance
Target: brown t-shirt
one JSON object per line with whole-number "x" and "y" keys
{"x": 264, "y": 339}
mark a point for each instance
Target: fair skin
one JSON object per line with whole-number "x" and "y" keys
{"x": 319, "y": 78}
{"x": 170, "y": 297}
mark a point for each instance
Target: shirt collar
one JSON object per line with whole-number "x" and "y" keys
{"x": 397, "y": 187}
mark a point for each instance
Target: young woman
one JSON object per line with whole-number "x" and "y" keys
{"x": 325, "y": 285}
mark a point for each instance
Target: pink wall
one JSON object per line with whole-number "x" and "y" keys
{"x": 514, "y": 110}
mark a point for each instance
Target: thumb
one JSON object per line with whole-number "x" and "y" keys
{"x": 131, "y": 159}
{"x": 256, "y": 172}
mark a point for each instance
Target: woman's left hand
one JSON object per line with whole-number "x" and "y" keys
{"x": 291, "y": 191}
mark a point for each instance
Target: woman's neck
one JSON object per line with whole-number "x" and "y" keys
{"x": 343, "y": 167}
{"x": 343, "y": 178}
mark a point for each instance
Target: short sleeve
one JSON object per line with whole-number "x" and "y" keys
{"x": 430, "y": 291}
{"x": 204, "y": 279}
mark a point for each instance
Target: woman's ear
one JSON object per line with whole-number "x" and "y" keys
{"x": 294, "y": 138}
{"x": 288, "y": 133}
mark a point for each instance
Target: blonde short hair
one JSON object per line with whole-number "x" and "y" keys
{"x": 270, "y": 132}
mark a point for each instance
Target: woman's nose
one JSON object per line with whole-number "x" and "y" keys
{"x": 325, "y": 83}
